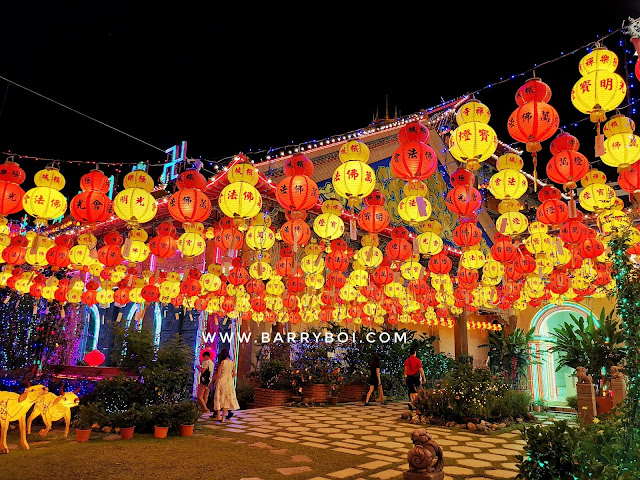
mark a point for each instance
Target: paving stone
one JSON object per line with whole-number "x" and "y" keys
{"x": 517, "y": 448}
{"x": 478, "y": 478}
{"x": 293, "y": 470}
{"x": 286, "y": 439}
{"x": 374, "y": 465}
{"x": 444, "y": 442}
{"x": 448, "y": 455}
{"x": 471, "y": 462}
{"x": 281, "y": 451}
{"x": 509, "y": 466}
{"x": 328, "y": 430}
{"x": 379, "y": 450}
{"x": 465, "y": 449}
{"x": 346, "y": 473}
{"x": 489, "y": 457}
{"x": 495, "y": 440}
{"x": 357, "y": 442}
{"x": 454, "y": 470}
{"x": 502, "y": 451}
{"x": 374, "y": 438}
{"x": 386, "y": 474}
{"x": 316, "y": 445}
{"x": 350, "y": 450}
{"x": 501, "y": 473}
{"x": 480, "y": 444}
{"x": 385, "y": 458}
{"x": 299, "y": 429}
{"x": 258, "y": 434}
{"x": 260, "y": 445}
{"x": 301, "y": 459}
{"x": 339, "y": 435}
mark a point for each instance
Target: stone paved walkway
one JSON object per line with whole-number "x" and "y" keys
{"x": 377, "y": 439}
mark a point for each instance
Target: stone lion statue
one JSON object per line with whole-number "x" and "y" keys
{"x": 616, "y": 374}
{"x": 426, "y": 454}
{"x": 581, "y": 373}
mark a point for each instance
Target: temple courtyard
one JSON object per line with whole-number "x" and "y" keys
{"x": 348, "y": 441}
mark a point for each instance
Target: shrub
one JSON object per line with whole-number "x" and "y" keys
{"x": 132, "y": 349}
{"x": 572, "y": 402}
{"x": 245, "y": 394}
{"x": 126, "y": 418}
{"x": 512, "y": 404}
{"x": 90, "y": 416}
{"x": 161, "y": 415}
{"x": 185, "y": 413}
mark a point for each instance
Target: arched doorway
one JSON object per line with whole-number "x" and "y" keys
{"x": 545, "y": 382}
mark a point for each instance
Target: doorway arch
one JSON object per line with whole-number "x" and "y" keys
{"x": 545, "y": 383}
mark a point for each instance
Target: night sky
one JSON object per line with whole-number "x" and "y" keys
{"x": 259, "y": 77}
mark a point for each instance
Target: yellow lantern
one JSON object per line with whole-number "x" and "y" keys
{"x": 493, "y": 268}
{"x": 348, "y": 293}
{"x": 508, "y": 184}
{"x": 369, "y": 256}
{"x": 411, "y": 270}
{"x": 135, "y": 206}
{"x": 104, "y": 297}
{"x": 432, "y": 225}
{"x": 275, "y": 287}
{"x": 473, "y": 259}
{"x": 430, "y": 243}
{"x": 355, "y": 150}
{"x": 82, "y": 256}
{"x": 312, "y": 264}
{"x": 600, "y": 89}
{"x": 473, "y": 141}
{"x": 44, "y": 201}
{"x": 539, "y": 243}
{"x": 191, "y": 244}
{"x": 243, "y": 172}
{"x": 621, "y": 150}
{"x": 240, "y": 200}
{"x": 509, "y": 161}
{"x": 49, "y": 177}
{"x": 328, "y": 226}
{"x": 618, "y": 124}
{"x": 610, "y": 221}
{"x": 138, "y": 179}
{"x": 260, "y": 237}
{"x": 593, "y": 176}
{"x": 48, "y": 293}
{"x": 597, "y": 196}
{"x": 73, "y": 296}
{"x": 210, "y": 282}
{"x": 260, "y": 271}
{"x": 358, "y": 278}
{"x": 354, "y": 180}
{"x": 314, "y": 280}
{"x": 473, "y": 111}
{"x": 137, "y": 252}
{"x": 409, "y": 210}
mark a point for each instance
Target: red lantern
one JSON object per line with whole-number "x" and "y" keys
{"x": 298, "y": 165}
{"x": 567, "y": 168}
{"x": 337, "y": 260}
{"x": 190, "y": 287}
{"x": 564, "y": 141}
{"x": 166, "y": 229}
{"x": 295, "y": 232}
{"x": 503, "y": 251}
{"x": 150, "y": 293}
{"x": 533, "y": 122}
{"x": 462, "y": 176}
{"x": 399, "y": 249}
{"x": 258, "y": 304}
{"x": 414, "y": 161}
{"x": 58, "y": 257}
{"x": 255, "y": 287}
{"x": 189, "y": 205}
{"x": 463, "y": 200}
{"x": 238, "y": 276}
{"x": 383, "y": 275}
{"x": 11, "y": 172}
{"x": 629, "y": 178}
{"x": 336, "y": 279}
{"x": 121, "y": 296}
{"x": 113, "y": 238}
{"x": 163, "y": 246}
{"x": 298, "y": 192}
{"x": 10, "y": 198}
{"x": 553, "y": 212}
{"x": 191, "y": 179}
{"x": 413, "y": 132}
{"x": 89, "y": 297}
{"x": 373, "y": 218}
{"x": 467, "y": 234}
{"x": 110, "y": 255}
{"x": 534, "y": 90}
{"x": 591, "y": 248}
{"x": 296, "y": 284}
{"x": 94, "y": 358}
{"x": 91, "y": 207}
{"x": 228, "y": 304}
{"x": 574, "y": 232}
{"x": 284, "y": 267}
{"x": 95, "y": 180}
{"x": 440, "y": 264}
{"x": 374, "y": 198}
{"x": 229, "y": 239}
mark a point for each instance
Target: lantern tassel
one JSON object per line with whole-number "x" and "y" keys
{"x": 535, "y": 171}
{"x": 599, "y": 147}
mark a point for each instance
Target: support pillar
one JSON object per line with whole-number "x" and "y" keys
{"x": 461, "y": 335}
{"x": 586, "y": 397}
{"x": 618, "y": 387}
{"x": 245, "y": 350}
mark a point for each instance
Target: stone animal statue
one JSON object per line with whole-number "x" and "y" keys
{"x": 616, "y": 374}
{"x": 54, "y": 407}
{"x": 425, "y": 458}
{"x": 581, "y": 373}
{"x": 15, "y": 407}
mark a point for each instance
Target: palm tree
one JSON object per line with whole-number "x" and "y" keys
{"x": 510, "y": 355}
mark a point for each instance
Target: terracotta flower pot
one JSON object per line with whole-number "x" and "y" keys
{"x": 126, "y": 433}
{"x": 82, "y": 435}
{"x": 185, "y": 430}
{"x": 333, "y": 400}
{"x": 604, "y": 405}
{"x": 160, "y": 432}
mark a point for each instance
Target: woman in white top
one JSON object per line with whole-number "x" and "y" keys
{"x": 205, "y": 377}
{"x": 224, "y": 397}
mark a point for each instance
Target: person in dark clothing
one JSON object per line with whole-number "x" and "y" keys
{"x": 414, "y": 374}
{"x": 374, "y": 380}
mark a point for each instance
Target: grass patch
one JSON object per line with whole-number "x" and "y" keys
{"x": 175, "y": 457}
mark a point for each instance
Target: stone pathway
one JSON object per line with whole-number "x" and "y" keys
{"x": 377, "y": 440}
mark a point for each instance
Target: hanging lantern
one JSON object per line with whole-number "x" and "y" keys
{"x": 354, "y": 150}
{"x": 374, "y": 218}
{"x": 44, "y": 201}
{"x": 295, "y": 233}
{"x": 240, "y": 199}
{"x": 11, "y": 176}
{"x": 621, "y": 147}
{"x": 629, "y": 178}
{"x": 463, "y": 200}
{"x": 414, "y": 161}
{"x": 189, "y": 205}
{"x": 413, "y": 132}
{"x": 134, "y": 204}
{"x": 260, "y": 237}
{"x": 297, "y": 192}
{"x": 600, "y": 89}
{"x": 354, "y": 180}
{"x": 329, "y": 225}
{"x": 596, "y": 195}
{"x": 191, "y": 179}
{"x": 298, "y": 164}
{"x": 473, "y": 141}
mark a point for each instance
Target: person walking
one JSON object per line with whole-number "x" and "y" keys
{"x": 205, "y": 374}
{"x": 224, "y": 398}
{"x": 414, "y": 374}
{"x": 374, "y": 379}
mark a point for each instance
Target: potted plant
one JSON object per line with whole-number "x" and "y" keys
{"x": 161, "y": 420}
{"x": 539, "y": 405}
{"x": 89, "y": 416}
{"x": 276, "y": 384}
{"x": 316, "y": 367}
{"x": 125, "y": 421}
{"x": 185, "y": 415}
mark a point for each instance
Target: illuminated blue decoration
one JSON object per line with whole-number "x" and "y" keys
{"x": 158, "y": 324}
{"x": 112, "y": 180}
{"x": 176, "y": 156}
{"x": 141, "y": 166}
{"x": 96, "y": 325}
{"x": 58, "y": 220}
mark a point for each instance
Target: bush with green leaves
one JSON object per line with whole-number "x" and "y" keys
{"x": 130, "y": 417}
{"x": 572, "y": 401}
{"x": 185, "y": 413}
{"x": 564, "y": 452}
{"x": 90, "y": 416}
{"x": 510, "y": 355}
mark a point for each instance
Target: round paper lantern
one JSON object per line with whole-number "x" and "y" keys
{"x": 337, "y": 260}
{"x": 138, "y": 179}
{"x": 373, "y": 218}
{"x": 463, "y": 201}
{"x": 191, "y": 179}
{"x": 534, "y": 90}
{"x": 414, "y": 161}
{"x": 503, "y": 251}
{"x": 629, "y": 178}
{"x": 354, "y": 151}
{"x": 430, "y": 243}
{"x": 163, "y": 246}
{"x": 137, "y": 252}
{"x": 466, "y": 234}
{"x": 260, "y": 237}
{"x": 296, "y": 193}
{"x": 413, "y": 132}
{"x": 45, "y": 202}
{"x": 597, "y": 196}
{"x": 533, "y": 122}
{"x": 110, "y": 255}
{"x": 229, "y": 239}
{"x": 472, "y": 143}
{"x": 564, "y": 141}
{"x": 121, "y": 296}
{"x": 354, "y": 180}
{"x": 398, "y": 249}
{"x": 621, "y": 150}
{"x": 328, "y": 226}
{"x": 189, "y": 205}
{"x": 298, "y": 164}
{"x": 600, "y": 89}
{"x": 135, "y": 206}
{"x": 508, "y": 184}
{"x": 552, "y": 212}
{"x": 295, "y": 232}
{"x": 440, "y": 264}
{"x": 462, "y": 176}
{"x": 95, "y": 180}
{"x": 240, "y": 200}
{"x": 94, "y": 358}
{"x": 567, "y": 167}
{"x": 91, "y": 207}
{"x": 191, "y": 244}
{"x": 409, "y": 209}
{"x": 58, "y": 257}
